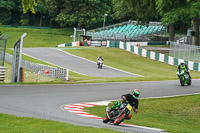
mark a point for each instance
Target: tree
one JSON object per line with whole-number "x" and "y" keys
{"x": 168, "y": 11}
{"x": 144, "y": 10}
{"x": 28, "y": 5}
{"x": 184, "y": 10}
{"x": 120, "y": 10}
{"x": 140, "y": 10}
{"x": 6, "y": 7}
{"x": 83, "y": 14}
{"x": 193, "y": 10}
{"x": 53, "y": 9}
{"x": 42, "y": 9}
{"x": 0, "y": 30}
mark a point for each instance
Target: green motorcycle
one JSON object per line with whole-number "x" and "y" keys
{"x": 184, "y": 78}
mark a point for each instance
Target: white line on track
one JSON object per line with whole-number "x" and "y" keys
{"x": 53, "y": 64}
{"x": 104, "y": 65}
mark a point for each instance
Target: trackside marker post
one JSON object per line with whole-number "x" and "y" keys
{"x": 67, "y": 75}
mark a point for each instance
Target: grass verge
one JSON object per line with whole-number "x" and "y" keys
{"x": 117, "y": 58}
{"x": 177, "y": 114}
{"x": 38, "y": 37}
{"x": 13, "y": 124}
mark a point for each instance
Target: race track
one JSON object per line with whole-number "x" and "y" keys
{"x": 74, "y": 63}
{"x": 44, "y": 101}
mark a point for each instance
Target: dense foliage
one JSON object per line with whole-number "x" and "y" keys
{"x": 90, "y": 13}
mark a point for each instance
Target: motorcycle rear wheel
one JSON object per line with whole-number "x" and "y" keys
{"x": 105, "y": 119}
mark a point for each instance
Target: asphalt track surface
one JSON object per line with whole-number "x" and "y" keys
{"x": 44, "y": 101}
{"x": 74, "y": 63}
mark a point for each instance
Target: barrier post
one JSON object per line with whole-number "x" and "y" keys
{"x": 67, "y": 75}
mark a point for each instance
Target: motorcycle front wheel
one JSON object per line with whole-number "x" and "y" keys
{"x": 189, "y": 82}
{"x": 120, "y": 119}
{"x": 182, "y": 82}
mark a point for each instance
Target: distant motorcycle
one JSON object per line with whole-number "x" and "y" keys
{"x": 184, "y": 78}
{"x": 100, "y": 64}
{"x": 118, "y": 116}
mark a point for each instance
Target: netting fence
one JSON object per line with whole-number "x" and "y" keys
{"x": 185, "y": 51}
{"x": 3, "y": 39}
{"x": 39, "y": 69}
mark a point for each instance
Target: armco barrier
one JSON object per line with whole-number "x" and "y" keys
{"x": 158, "y": 56}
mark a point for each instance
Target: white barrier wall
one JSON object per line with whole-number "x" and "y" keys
{"x": 162, "y": 58}
{"x": 152, "y": 55}
{"x": 171, "y": 60}
{"x": 144, "y": 52}
{"x": 156, "y": 56}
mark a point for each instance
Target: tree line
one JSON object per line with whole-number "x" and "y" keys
{"x": 90, "y": 13}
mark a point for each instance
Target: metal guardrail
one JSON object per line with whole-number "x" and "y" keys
{"x": 55, "y": 73}
{"x": 2, "y": 73}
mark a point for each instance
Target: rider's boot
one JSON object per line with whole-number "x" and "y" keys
{"x": 128, "y": 117}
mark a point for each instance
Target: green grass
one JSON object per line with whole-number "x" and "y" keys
{"x": 38, "y": 37}
{"x": 13, "y": 124}
{"x": 177, "y": 115}
{"x": 117, "y": 58}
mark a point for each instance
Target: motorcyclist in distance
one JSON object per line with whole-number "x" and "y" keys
{"x": 183, "y": 66}
{"x": 100, "y": 58}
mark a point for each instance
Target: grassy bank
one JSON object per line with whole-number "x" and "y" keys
{"x": 13, "y": 124}
{"x": 38, "y": 37}
{"x": 117, "y": 58}
{"x": 177, "y": 115}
